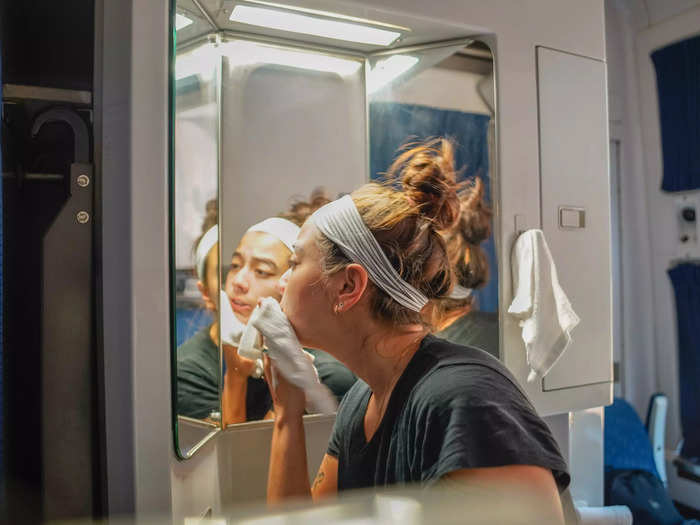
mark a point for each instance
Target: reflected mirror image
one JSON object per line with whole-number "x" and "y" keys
{"x": 266, "y": 134}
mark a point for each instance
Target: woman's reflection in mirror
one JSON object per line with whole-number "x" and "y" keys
{"x": 198, "y": 368}
{"x": 257, "y": 265}
{"x": 455, "y": 317}
{"x": 423, "y": 409}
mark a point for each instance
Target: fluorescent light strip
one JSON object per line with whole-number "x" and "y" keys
{"x": 328, "y": 14}
{"x": 181, "y": 21}
{"x": 297, "y": 23}
{"x": 242, "y": 53}
{"x": 388, "y": 70}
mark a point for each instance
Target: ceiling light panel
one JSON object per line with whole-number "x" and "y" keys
{"x": 311, "y": 25}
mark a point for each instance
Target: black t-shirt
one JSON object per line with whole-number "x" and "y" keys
{"x": 454, "y": 407}
{"x": 477, "y": 329}
{"x": 198, "y": 373}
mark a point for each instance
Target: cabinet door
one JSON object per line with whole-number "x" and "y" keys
{"x": 576, "y": 207}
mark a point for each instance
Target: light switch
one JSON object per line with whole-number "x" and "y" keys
{"x": 572, "y": 218}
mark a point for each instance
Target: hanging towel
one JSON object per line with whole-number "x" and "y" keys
{"x": 288, "y": 357}
{"x": 545, "y": 313}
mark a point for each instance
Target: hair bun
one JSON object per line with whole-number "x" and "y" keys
{"x": 428, "y": 177}
{"x": 475, "y": 218}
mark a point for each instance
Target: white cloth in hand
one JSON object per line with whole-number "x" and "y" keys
{"x": 231, "y": 327}
{"x": 289, "y": 358}
{"x": 232, "y": 331}
{"x": 545, "y": 313}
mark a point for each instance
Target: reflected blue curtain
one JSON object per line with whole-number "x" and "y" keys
{"x": 393, "y": 124}
{"x": 685, "y": 279}
{"x": 678, "y": 83}
{"x": 189, "y": 321}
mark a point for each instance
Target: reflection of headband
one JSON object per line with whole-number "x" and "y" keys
{"x": 206, "y": 243}
{"x": 341, "y": 223}
{"x": 286, "y": 231}
{"x": 459, "y": 292}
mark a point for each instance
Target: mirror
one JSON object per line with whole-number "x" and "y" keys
{"x": 268, "y": 129}
{"x": 196, "y": 369}
{"x": 447, "y": 91}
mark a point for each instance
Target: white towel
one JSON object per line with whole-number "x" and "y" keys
{"x": 231, "y": 327}
{"x": 613, "y": 515}
{"x": 288, "y": 356}
{"x": 545, "y": 313}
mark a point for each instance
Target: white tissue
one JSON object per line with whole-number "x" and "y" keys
{"x": 231, "y": 327}
{"x": 232, "y": 333}
{"x": 289, "y": 358}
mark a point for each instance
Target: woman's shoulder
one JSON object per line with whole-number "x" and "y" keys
{"x": 463, "y": 374}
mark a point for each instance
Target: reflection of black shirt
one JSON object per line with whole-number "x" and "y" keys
{"x": 478, "y": 329}
{"x": 453, "y": 408}
{"x": 198, "y": 373}
{"x": 332, "y": 373}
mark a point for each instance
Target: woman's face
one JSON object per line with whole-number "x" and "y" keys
{"x": 256, "y": 268}
{"x": 305, "y": 301}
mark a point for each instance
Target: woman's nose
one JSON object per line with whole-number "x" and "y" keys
{"x": 282, "y": 283}
{"x": 240, "y": 280}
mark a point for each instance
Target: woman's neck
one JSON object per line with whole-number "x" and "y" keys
{"x": 380, "y": 356}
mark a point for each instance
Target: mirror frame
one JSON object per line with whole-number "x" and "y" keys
{"x": 221, "y": 35}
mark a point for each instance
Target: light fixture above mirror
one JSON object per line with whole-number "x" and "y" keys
{"x": 317, "y": 23}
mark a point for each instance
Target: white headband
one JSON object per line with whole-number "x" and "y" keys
{"x": 286, "y": 231}
{"x": 341, "y": 223}
{"x": 206, "y": 243}
{"x": 459, "y": 292}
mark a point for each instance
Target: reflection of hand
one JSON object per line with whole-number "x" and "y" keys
{"x": 288, "y": 400}
{"x": 237, "y": 364}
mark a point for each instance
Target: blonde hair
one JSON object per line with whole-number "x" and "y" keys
{"x": 406, "y": 220}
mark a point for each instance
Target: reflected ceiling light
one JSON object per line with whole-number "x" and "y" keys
{"x": 388, "y": 70}
{"x": 312, "y": 25}
{"x": 181, "y": 21}
{"x": 241, "y": 53}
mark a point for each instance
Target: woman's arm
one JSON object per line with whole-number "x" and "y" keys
{"x": 288, "y": 475}
{"x": 233, "y": 397}
{"x": 517, "y": 492}
{"x": 326, "y": 483}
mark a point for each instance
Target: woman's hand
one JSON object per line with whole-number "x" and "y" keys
{"x": 288, "y": 400}
{"x": 240, "y": 366}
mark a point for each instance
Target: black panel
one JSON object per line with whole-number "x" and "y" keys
{"x": 48, "y": 43}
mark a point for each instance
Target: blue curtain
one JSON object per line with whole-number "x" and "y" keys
{"x": 393, "y": 124}
{"x": 678, "y": 83}
{"x": 685, "y": 279}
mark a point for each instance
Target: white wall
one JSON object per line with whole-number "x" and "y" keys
{"x": 284, "y": 133}
{"x": 648, "y": 214}
{"x": 439, "y": 88}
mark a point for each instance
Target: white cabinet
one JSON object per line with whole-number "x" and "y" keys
{"x": 575, "y": 217}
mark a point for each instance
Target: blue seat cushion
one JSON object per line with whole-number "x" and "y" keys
{"x": 626, "y": 445}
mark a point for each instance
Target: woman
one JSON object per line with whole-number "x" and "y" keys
{"x": 423, "y": 409}
{"x": 198, "y": 366}
{"x": 454, "y": 316}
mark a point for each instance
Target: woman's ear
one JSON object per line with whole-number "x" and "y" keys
{"x": 209, "y": 303}
{"x": 353, "y": 285}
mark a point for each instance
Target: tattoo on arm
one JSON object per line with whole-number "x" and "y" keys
{"x": 318, "y": 480}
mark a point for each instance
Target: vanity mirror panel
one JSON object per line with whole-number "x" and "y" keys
{"x": 195, "y": 242}
{"x": 268, "y": 129}
{"x": 447, "y": 90}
